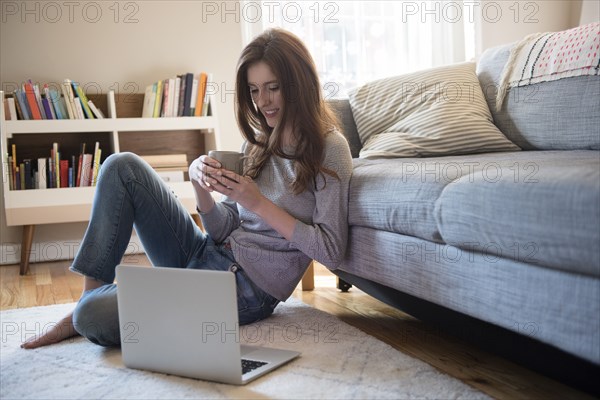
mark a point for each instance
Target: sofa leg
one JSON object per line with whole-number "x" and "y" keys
{"x": 343, "y": 285}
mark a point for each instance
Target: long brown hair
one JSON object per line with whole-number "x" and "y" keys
{"x": 304, "y": 108}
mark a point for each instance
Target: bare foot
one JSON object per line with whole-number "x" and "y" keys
{"x": 57, "y": 333}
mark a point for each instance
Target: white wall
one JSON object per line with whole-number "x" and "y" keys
{"x": 90, "y": 42}
{"x": 502, "y": 22}
{"x": 590, "y": 11}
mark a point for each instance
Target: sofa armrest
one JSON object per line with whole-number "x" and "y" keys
{"x": 341, "y": 107}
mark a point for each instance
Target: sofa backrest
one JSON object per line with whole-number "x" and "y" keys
{"x": 556, "y": 115}
{"x": 342, "y": 109}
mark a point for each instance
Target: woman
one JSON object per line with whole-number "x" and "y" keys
{"x": 289, "y": 208}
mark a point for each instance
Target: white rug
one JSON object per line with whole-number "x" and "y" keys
{"x": 338, "y": 361}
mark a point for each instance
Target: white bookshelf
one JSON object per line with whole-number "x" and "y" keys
{"x": 32, "y": 207}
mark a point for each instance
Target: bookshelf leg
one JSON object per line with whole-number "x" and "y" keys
{"x": 198, "y": 221}
{"x": 308, "y": 280}
{"x": 26, "y": 242}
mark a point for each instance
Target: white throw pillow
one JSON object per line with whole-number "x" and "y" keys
{"x": 436, "y": 112}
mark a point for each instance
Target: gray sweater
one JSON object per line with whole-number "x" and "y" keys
{"x": 273, "y": 263}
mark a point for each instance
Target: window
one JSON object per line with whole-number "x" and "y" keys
{"x": 353, "y": 42}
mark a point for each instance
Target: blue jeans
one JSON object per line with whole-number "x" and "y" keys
{"x": 129, "y": 193}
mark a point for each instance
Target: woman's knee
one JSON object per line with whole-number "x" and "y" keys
{"x": 120, "y": 161}
{"x": 121, "y": 167}
{"x": 96, "y": 316}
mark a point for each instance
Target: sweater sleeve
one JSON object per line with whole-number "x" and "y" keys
{"x": 222, "y": 219}
{"x": 325, "y": 239}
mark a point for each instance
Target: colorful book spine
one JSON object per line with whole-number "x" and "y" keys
{"x": 50, "y": 114}
{"x": 64, "y": 173}
{"x": 201, "y": 93}
{"x": 32, "y": 101}
{"x": 68, "y": 95}
{"x": 47, "y": 108}
{"x": 189, "y": 83}
{"x": 205, "y": 104}
{"x": 56, "y": 163}
{"x": 83, "y": 99}
{"x": 158, "y": 101}
{"x": 96, "y": 165}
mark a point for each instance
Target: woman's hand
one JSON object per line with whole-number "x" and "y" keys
{"x": 201, "y": 171}
{"x": 244, "y": 191}
{"x": 240, "y": 189}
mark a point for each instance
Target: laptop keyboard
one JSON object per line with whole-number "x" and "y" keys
{"x": 251, "y": 365}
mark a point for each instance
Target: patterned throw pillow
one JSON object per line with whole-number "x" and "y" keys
{"x": 436, "y": 112}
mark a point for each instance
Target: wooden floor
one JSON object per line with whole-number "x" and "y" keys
{"x": 52, "y": 283}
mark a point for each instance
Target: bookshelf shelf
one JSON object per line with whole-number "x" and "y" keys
{"x": 109, "y": 125}
{"x": 143, "y": 136}
{"x": 53, "y": 126}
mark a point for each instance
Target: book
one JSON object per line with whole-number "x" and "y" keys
{"x": 21, "y": 177}
{"x": 205, "y": 105}
{"x": 83, "y": 100}
{"x": 78, "y": 108}
{"x": 57, "y": 104}
{"x": 189, "y": 81}
{"x": 50, "y": 114}
{"x": 86, "y": 168}
{"x": 193, "y": 98}
{"x": 167, "y": 161}
{"x": 158, "y": 99}
{"x": 28, "y": 174}
{"x": 149, "y": 99}
{"x": 38, "y": 98}
{"x": 177, "y": 100}
{"x": 32, "y": 101}
{"x": 56, "y": 162}
{"x": 21, "y": 114}
{"x": 181, "y": 95}
{"x": 172, "y": 95}
{"x": 47, "y": 108}
{"x": 201, "y": 93}
{"x": 69, "y": 102}
{"x": 95, "y": 110}
{"x": 42, "y": 183}
{"x": 95, "y": 164}
{"x": 166, "y": 103}
{"x": 12, "y": 110}
{"x": 64, "y": 173}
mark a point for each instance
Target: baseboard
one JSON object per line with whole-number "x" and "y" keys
{"x": 10, "y": 253}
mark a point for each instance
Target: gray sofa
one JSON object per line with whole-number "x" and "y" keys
{"x": 502, "y": 249}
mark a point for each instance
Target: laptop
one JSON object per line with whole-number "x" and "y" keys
{"x": 185, "y": 322}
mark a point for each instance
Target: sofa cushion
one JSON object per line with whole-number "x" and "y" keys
{"x": 537, "y": 207}
{"x": 392, "y": 195}
{"x": 556, "y": 115}
{"x": 440, "y": 111}
{"x": 399, "y": 195}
